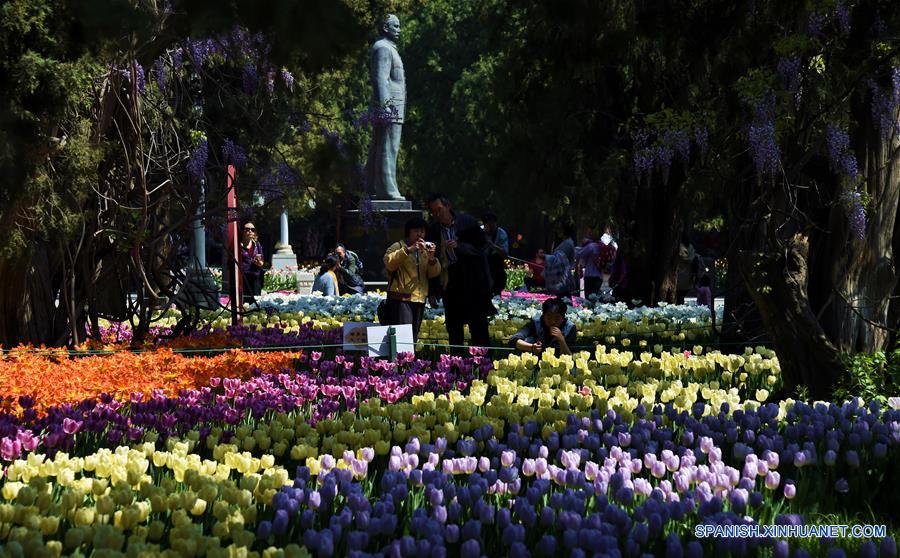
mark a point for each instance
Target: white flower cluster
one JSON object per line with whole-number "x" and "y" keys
{"x": 364, "y": 307}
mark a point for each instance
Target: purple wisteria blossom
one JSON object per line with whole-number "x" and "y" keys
{"x": 789, "y": 72}
{"x": 233, "y": 153}
{"x": 159, "y": 73}
{"x": 288, "y": 79}
{"x": 250, "y": 78}
{"x": 196, "y": 165}
{"x": 885, "y": 103}
{"x": 839, "y": 154}
{"x": 761, "y": 135}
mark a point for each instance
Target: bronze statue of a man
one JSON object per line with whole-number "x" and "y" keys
{"x": 389, "y": 102}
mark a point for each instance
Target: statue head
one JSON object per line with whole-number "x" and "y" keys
{"x": 390, "y": 27}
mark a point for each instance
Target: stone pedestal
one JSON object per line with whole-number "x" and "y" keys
{"x": 391, "y": 205}
{"x": 370, "y": 241}
{"x": 284, "y": 257}
{"x": 305, "y": 282}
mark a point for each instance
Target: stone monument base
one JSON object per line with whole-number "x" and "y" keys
{"x": 283, "y": 257}
{"x": 391, "y": 205}
{"x": 305, "y": 282}
{"x": 370, "y": 241}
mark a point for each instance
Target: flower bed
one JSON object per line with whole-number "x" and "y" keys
{"x": 286, "y": 319}
{"x": 604, "y": 452}
{"x": 51, "y": 377}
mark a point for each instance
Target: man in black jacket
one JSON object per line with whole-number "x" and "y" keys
{"x": 465, "y": 279}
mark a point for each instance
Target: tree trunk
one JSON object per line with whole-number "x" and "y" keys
{"x": 655, "y": 226}
{"x": 778, "y": 285}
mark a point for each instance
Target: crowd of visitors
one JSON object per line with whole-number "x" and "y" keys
{"x": 455, "y": 259}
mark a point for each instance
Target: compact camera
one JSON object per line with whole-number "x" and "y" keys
{"x": 429, "y": 245}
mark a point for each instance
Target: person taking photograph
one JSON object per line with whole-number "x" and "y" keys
{"x": 411, "y": 263}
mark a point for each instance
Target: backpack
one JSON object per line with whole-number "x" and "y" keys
{"x": 605, "y": 256}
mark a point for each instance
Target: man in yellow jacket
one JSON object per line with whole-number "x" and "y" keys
{"x": 410, "y": 264}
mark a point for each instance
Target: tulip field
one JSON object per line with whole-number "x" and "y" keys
{"x": 622, "y": 449}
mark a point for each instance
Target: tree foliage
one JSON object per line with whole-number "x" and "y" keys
{"x": 118, "y": 119}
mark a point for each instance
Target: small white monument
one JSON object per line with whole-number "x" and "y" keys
{"x": 284, "y": 256}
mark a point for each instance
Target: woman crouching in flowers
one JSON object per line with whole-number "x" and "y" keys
{"x": 326, "y": 281}
{"x": 550, "y": 329}
{"x": 410, "y": 264}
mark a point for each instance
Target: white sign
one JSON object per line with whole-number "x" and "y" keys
{"x": 355, "y": 337}
{"x": 379, "y": 342}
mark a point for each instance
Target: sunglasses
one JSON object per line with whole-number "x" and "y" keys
{"x": 249, "y": 229}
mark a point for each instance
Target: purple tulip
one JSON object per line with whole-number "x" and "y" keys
{"x": 842, "y": 486}
{"x": 470, "y": 549}
{"x": 507, "y": 458}
{"x": 790, "y": 490}
{"x": 314, "y": 500}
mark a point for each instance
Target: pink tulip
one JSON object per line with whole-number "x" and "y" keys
{"x": 71, "y": 426}
{"x": 10, "y": 449}
{"x": 28, "y": 440}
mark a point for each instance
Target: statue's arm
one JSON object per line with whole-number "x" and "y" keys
{"x": 381, "y": 73}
